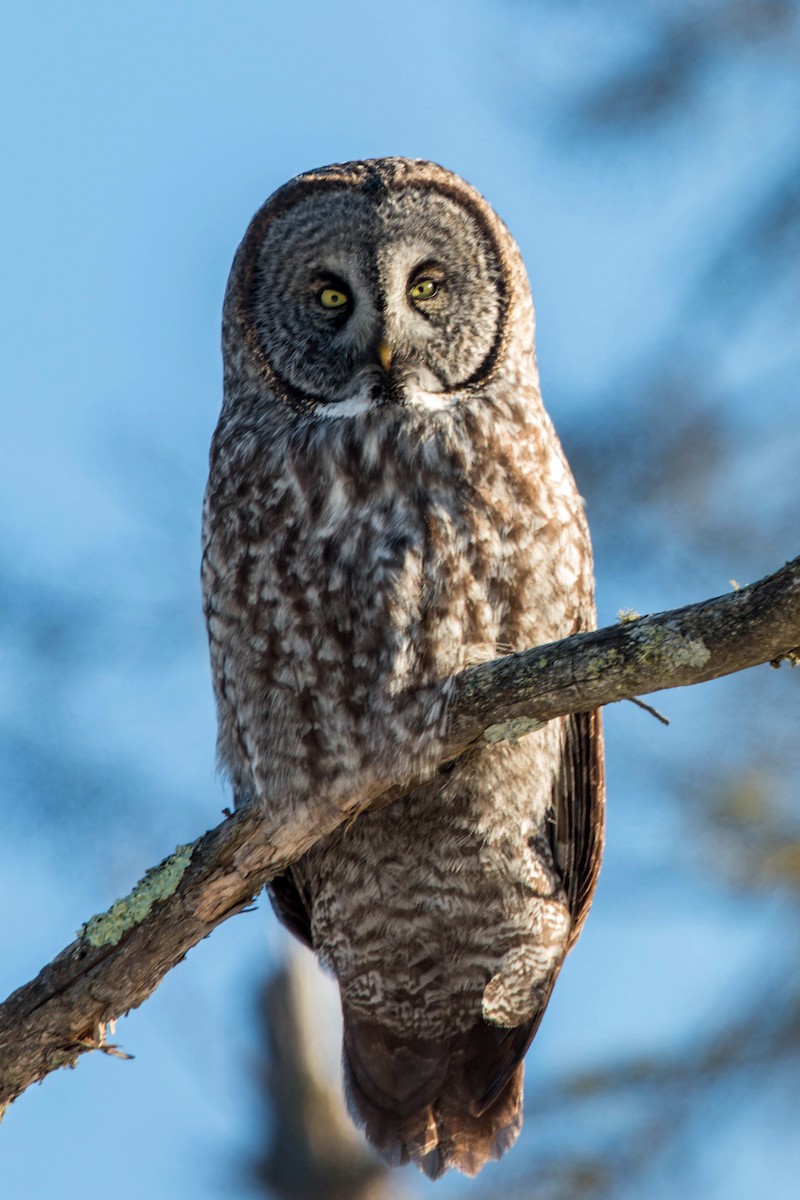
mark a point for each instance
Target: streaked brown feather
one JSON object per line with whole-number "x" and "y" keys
{"x": 579, "y": 811}
{"x": 424, "y": 1100}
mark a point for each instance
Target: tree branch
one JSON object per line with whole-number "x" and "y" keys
{"x": 121, "y": 956}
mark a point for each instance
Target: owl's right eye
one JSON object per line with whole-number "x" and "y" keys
{"x": 332, "y": 297}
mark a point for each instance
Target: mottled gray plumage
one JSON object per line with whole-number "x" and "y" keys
{"x": 388, "y": 503}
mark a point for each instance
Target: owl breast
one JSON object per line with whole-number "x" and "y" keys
{"x": 351, "y": 566}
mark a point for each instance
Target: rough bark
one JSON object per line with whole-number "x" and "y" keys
{"x": 121, "y": 956}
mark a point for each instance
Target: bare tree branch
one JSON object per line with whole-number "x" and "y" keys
{"x": 121, "y": 956}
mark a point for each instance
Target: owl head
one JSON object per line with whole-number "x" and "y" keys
{"x": 389, "y": 281}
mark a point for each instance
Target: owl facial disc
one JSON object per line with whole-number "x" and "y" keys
{"x": 356, "y": 297}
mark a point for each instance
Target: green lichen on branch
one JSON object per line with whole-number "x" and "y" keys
{"x": 109, "y": 928}
{"x": 665, "y": 646}
{"x": 601, "y": 663}
{"x": 512, "y": 730}
{"x": 657, "y": 647}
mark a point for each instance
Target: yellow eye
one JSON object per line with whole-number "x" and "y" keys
{"x": 333, "y": 298}
{"x": 423, "y": 289}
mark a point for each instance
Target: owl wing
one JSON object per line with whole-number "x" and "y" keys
{"x": 579, "y": 813}
{"x": 290, "y": 907}
{"x": 577, "y": 829}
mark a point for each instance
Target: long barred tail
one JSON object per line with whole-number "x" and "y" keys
{"x": 447, "y": 1102}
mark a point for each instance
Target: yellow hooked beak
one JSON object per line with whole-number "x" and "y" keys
{"x": 385, "y": 355}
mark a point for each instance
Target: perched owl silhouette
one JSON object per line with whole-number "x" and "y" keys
{"x": 388, "y": 503}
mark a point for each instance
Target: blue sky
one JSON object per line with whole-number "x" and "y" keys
{"x": 137, "y": 142}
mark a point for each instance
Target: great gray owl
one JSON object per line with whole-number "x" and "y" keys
{"x": 388, "y": 502}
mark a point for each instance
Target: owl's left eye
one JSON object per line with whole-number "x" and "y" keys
{"x": 332, "y": 297}
{"x": 423, "y": 289}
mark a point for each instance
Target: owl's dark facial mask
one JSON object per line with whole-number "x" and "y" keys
{"x": 358, "y": 296}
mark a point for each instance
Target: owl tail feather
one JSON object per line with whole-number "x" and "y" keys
{"x": 420, "y": 1100}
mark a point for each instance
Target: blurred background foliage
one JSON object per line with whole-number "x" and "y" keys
{"x": 668, "y": 139}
